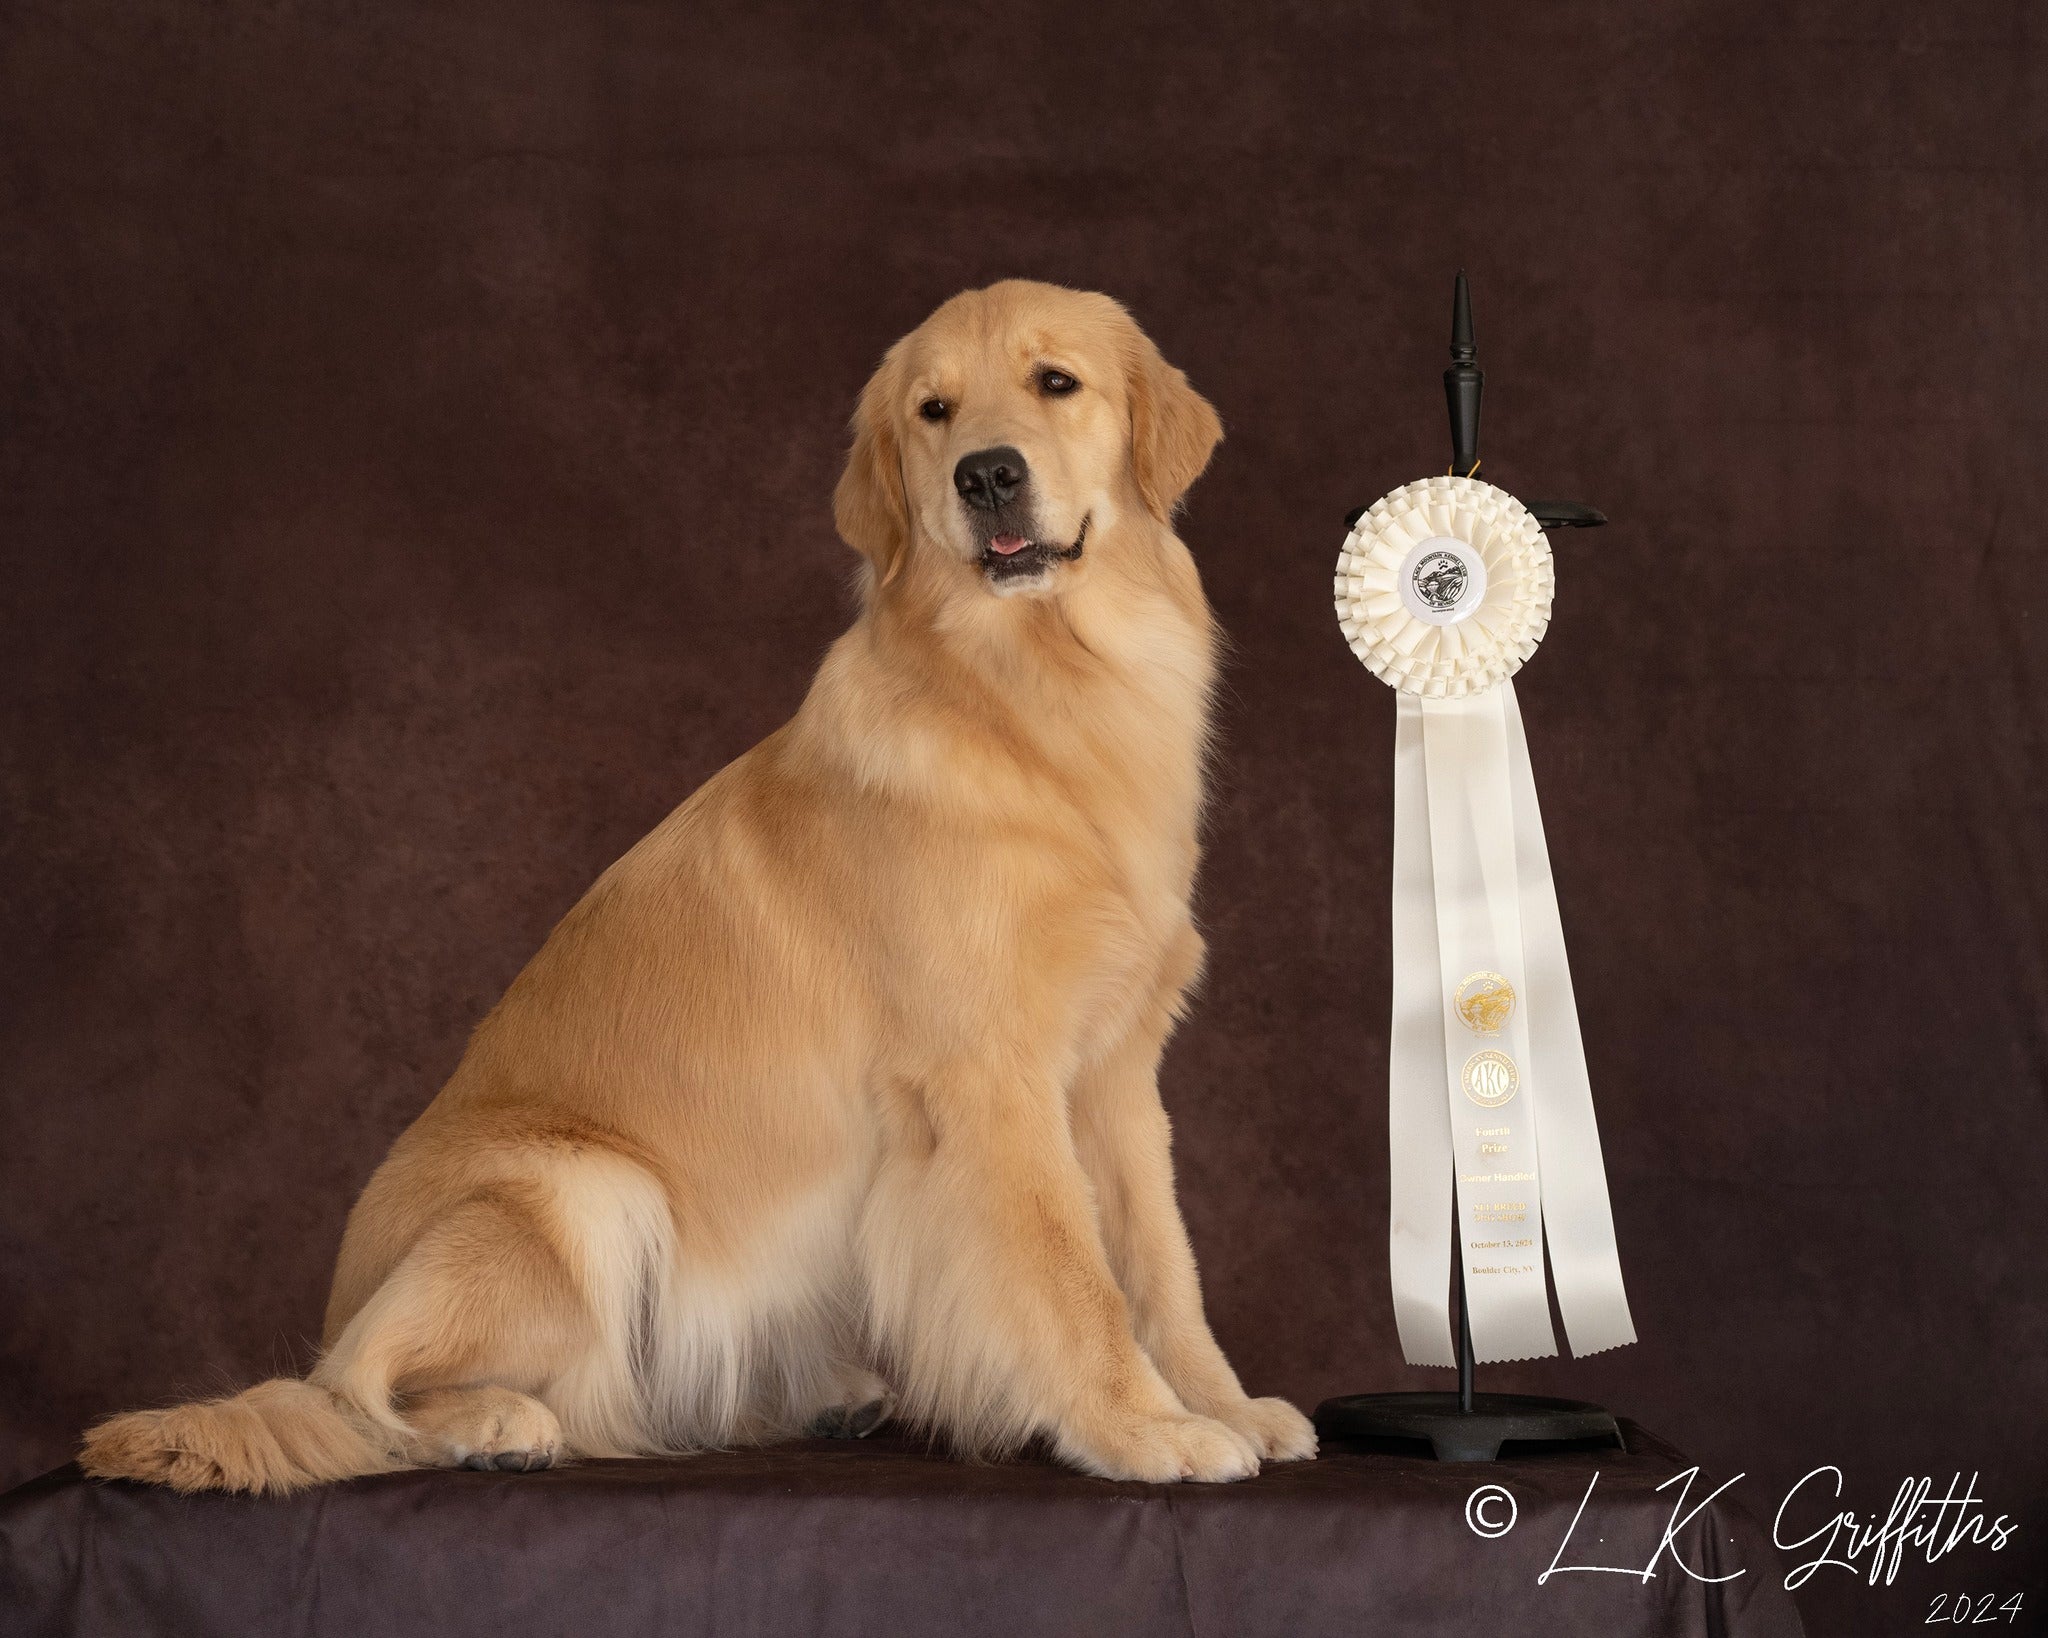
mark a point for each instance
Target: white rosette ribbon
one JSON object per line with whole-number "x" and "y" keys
{"x": 1444, "y": 590}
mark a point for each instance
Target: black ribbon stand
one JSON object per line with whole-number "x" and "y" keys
{"x": 1466, "y": 1426}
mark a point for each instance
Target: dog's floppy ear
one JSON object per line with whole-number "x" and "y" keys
{"x": 869, "y": 506}
{"x": 1174, "y": 430}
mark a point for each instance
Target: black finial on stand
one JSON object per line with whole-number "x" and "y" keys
{"x": 1468, "y": 1426}
{"x": 1464, "y": 381}
{"x": 1464, "y": 384}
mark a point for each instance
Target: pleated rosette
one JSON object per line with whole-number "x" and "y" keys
{"x": 1444, "y": 587}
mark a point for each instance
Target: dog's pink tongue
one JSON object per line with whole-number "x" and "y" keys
{"x": 1008, "y": 545}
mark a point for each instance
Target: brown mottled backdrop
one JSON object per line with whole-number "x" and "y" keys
{"x": 419, "y": 423}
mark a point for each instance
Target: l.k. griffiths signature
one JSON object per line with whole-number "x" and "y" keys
{"x": 1917, "y": 1521}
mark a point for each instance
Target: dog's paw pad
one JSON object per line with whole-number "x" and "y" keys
{"x": 848, "y": 1421}
{"x": 862, "y": 1422}
{"x": 509, "y": 1461}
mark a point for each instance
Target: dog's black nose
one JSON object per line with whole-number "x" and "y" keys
{"x": 990, "y": 478}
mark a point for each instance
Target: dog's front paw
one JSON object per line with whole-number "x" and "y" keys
{"x": 1278, "y": 1431}
{"x": 1166, "y": 1450}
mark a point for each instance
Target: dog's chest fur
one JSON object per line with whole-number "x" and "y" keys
{"x": 1108, "y": 738}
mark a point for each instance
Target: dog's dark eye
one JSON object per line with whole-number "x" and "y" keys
{"x": 1056, "y": 382}
{"x": 935, "y": 409}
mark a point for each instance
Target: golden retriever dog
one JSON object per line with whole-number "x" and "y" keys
{"x": 836, "y": 1097}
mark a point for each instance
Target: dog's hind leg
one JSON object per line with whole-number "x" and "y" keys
{"x": 510, "y": 1328}
{"x": 483, "y": 1297}
{"x": 481, "y": 1427}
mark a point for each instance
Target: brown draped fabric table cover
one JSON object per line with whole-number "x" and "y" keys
{"x": 885, "y": 1537}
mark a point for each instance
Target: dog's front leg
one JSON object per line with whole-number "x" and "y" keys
{"x": 1124, "y": 1142}
{"x": 991, "y": 1292}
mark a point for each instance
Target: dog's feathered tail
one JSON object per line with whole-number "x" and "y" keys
{"x": 278, "y": 1436}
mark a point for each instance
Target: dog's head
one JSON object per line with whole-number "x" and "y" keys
{"x": 1008, "y": 436}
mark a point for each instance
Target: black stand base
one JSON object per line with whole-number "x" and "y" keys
{"x": 1458, "y": 1435}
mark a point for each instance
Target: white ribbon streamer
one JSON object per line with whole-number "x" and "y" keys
{"x": 1577, "y": 1217}
{"x": 1420, "y": 1198}
{"x": 1484, "y": 1075}
{"x": 1444, "y": 590}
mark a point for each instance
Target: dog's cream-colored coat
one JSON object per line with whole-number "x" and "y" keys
{"x": 842, "y": 1081}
